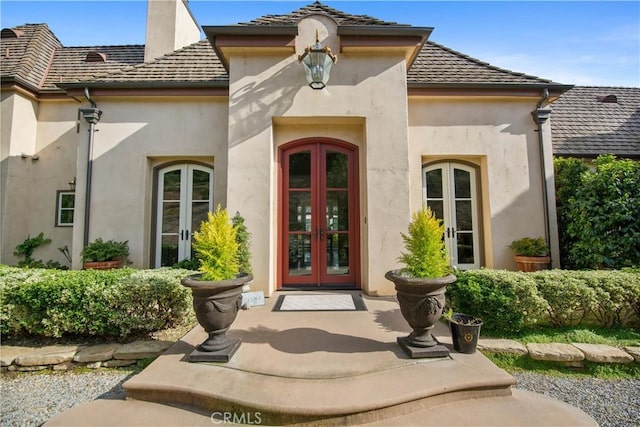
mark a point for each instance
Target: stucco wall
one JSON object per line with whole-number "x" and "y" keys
{"x": 500, "y": 136}
{"x": 46, "y": 130}
{"x": 133, "y": 138}
{"x": 373, "y": 88}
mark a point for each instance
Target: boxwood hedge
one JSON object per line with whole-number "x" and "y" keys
{"x": 508, "y": 301}
{"x": 116, "y": 303}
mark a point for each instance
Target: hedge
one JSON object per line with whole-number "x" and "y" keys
{"x": 508, "y": 301}
{"x": 118, "y": 303}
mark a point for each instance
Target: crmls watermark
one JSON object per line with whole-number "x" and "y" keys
{"x": 248, "y": 418}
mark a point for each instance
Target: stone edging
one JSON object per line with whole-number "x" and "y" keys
{"x": 567, "y": 354}
{"x": 64, "y": 358}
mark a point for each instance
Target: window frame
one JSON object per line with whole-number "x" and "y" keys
{"x": 59, "y": 208}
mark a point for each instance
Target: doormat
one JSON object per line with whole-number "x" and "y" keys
{"x": 332, "y": 302}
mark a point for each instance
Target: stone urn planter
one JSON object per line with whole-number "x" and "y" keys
{"x": 421, "y": 302}
{"x": 216, "y": 304}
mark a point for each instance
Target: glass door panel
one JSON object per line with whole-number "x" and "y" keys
{"x": 185, "y": 195}
{"x": 318, "y": 215}
{"x": 449, "y": 190}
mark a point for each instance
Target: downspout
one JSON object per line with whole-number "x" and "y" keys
{"x": 540, "y": 116}
{"x": 92, "y": 116}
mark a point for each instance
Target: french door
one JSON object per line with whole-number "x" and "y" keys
{"x": 449, "y": 189}
{"x": 319, "y": 230}
{"x": 185, "y": 195}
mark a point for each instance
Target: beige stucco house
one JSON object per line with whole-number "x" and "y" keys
{"x": 137, "y": 143}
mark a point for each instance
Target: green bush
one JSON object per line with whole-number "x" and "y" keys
{"x": 569, "y": 299}
{"x": 425, "y": 255}
{"x": 509, "y": 301}
{"x": 598, "y": 213}
{"x": 506, "y": 301}
{"x": 216, "y": 246}
{"x": 110, "y": 250}
{"x": 117, "y": 303}
{"x": 530, "y": 246}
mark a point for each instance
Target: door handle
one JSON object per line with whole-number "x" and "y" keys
{"x": 453, "y": 232}
{"x": 181, "y": 234}
{"x": 186, "y": 235}
{"x": 322, "y": 234}
{"x": 448, "y": 232}
{"x": 315, "y": 234}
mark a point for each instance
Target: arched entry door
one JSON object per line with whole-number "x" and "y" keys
{"x": 184, "y": 196}
{"x": 319, "y": 236}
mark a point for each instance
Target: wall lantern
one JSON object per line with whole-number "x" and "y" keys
{"x": 317, "y": 61}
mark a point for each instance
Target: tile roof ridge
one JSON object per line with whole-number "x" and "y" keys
{"x": 33, "y": 47}
{"x": 606, "y": 87}
{"x": 319, "y": 8}
{"x": 103, "y": 46}
{"x": 486, "y": 64}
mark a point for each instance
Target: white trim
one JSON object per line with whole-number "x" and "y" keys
{"x": 59, "y": 207}
{"x": 185, "y": 213}
{"x": 448, "y": 201}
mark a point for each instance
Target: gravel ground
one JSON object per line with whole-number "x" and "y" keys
{"x": 31, "y": 399}
{"x": 609, "y": 402}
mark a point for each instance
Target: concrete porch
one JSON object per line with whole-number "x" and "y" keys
{"x": 323, "y": 368}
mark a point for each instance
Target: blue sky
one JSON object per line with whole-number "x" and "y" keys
{"x": 574, "y": 42}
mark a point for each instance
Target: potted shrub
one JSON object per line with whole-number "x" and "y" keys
{"x": 422, "y": 283}
{"x": 465, "y": 331}
{"x": 531, "y": 254}
{"x": 217, "y": 289}
{"x": 105, "y": 255}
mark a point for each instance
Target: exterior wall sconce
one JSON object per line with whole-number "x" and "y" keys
{"x": 317, "y": 61}
{"x": 72, "y": 184}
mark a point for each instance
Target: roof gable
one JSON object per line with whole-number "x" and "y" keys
{"x": 27, "y": 59}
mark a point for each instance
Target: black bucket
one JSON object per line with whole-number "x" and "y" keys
{"x": 465, "y": 331}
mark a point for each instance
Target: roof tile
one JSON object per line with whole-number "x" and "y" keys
{"x": 581, "y": 125}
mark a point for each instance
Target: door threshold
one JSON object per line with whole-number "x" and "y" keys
{"x": 347, "y": 287}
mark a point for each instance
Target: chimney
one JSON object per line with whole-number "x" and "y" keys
{"x": 170, "y": 26}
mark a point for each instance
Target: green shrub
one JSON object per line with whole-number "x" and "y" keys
{"x": 530, "y": 246}
{"x": 569, "y": 299}
{"x": 598, "y": 213}
{"x": 120, "y": 302}
{"x": 506, "y": 301}
{"x": 243, "y": 237}
{"x": 426, "y": 255}
{"x": 217, "y": 247}
{"x": 617, "y": 295}
{"x": 100, "y": 251}
{"x": 568, "y": 174}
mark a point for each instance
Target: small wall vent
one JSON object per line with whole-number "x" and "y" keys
{"x": 95, "y": 57}
{"x": 608, "y": 99}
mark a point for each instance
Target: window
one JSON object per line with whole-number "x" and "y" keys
{"x": 65, "y": 203}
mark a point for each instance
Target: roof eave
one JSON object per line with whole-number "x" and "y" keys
{"x": 283, "y": 33}
{"x": 143, "y": 85}
{"x": 487, "y": 89}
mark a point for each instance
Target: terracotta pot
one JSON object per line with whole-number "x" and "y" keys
{"x": 421, "y": 302}
{"x": 102, "y": 265}
{"x": 216, "y": 306}
{"x": 532, "y": 263}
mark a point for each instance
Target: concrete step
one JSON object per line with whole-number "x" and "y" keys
{"x": 326, "y": 368}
